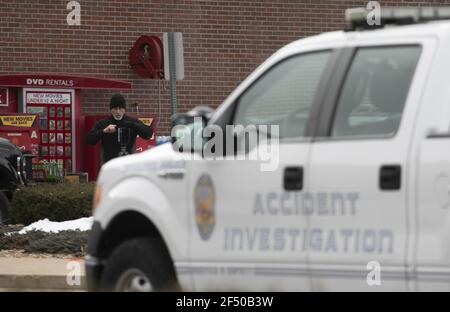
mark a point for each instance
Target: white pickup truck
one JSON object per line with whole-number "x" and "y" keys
{"x": 360, "y": 196}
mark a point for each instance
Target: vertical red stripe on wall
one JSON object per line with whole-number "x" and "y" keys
{"x": 80, "y": 134}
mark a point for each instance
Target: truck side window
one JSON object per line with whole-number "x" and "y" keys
{"x": 284, "y": 95}
{"x": 374, "y": 92}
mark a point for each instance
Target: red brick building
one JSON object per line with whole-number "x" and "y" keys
{"x": 223, "y": 42}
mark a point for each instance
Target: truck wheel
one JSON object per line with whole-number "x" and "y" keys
{"x": 139, "y": 265}
{"x": 4, "y": 208}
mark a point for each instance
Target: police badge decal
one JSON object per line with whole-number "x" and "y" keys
{"x": 204, "y": 200}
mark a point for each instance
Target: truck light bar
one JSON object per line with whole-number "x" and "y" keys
{"x": 358, "y": 17}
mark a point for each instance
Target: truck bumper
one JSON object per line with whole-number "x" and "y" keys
{"x": 93, "y": 263}
{"x": 93, "y": 268}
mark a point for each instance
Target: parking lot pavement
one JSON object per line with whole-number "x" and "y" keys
{"x": 41, "y": 274}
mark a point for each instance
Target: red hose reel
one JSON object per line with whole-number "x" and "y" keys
{"x": 147, "y": 57}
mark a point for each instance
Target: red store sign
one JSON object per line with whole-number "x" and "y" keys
{"x": 61, "y": 81}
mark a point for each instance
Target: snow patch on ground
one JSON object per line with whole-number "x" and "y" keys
{"x": 83, "y": 224}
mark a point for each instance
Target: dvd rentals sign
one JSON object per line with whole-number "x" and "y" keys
{"x": 49, "y": 82}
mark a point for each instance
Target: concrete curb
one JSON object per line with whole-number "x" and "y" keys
{"x": 41, "y": 274}
{"x": 39, "y": 283}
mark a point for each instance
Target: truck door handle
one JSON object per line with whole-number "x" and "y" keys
{"x": 390, "y": 177}
{"x": 172, "y": 174}
{"x": 293, "y": 178}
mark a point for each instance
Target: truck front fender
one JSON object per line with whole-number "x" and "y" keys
{"x": 139, "y": 194}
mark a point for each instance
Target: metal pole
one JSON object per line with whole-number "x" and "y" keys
{"x": 172, "y": 72}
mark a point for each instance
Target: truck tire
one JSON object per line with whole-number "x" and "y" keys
{"x": 139, "y": 265}
{"x": 4, "y": 208}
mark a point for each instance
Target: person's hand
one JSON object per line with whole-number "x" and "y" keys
{"x": 110, "y": 129}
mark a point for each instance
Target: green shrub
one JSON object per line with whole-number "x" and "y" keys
{"x": 65, "y": 242}
{"x": 56, "y": 202}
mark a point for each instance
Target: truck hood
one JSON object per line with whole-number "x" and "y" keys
{"x": 147, "y": 164}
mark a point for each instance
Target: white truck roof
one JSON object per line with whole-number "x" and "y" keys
{"x": 395, "y": 34}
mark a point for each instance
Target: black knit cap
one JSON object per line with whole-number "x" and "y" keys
{"x": 117, "y": 100}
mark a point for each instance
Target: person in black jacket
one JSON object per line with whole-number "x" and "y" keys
{"x": 107, "y": 130}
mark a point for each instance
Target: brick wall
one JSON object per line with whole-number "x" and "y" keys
{"x": 223, "y": 42}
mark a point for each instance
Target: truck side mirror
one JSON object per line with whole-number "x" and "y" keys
{"x": 187, "y": 129}
{"x": 187, "y": 132}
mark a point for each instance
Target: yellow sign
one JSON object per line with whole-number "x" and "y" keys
{"x": 18, "y": 121}
{"x": 146, "y": 121}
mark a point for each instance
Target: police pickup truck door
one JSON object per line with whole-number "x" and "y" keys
{"x": 359, "y": 167}
{"x": 432, "y": 180}
{"x": 247, "y": 231}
